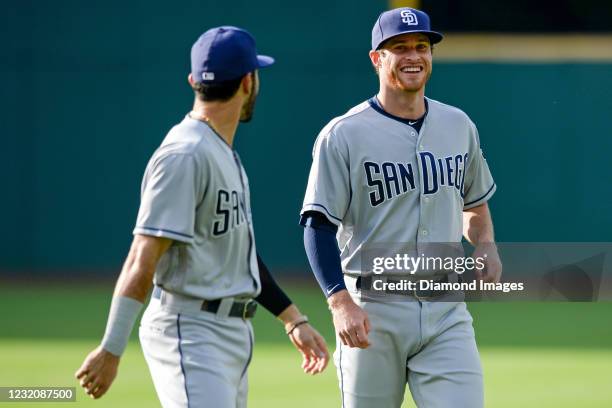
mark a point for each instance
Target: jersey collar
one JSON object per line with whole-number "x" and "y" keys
{"x": 207, "y": 125}
{"x": 375, "y": 104}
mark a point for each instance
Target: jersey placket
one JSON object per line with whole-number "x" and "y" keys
{"x": 423, "y": 233}
{"x": 243, "y": 204}
{"x": 248, "y": 218}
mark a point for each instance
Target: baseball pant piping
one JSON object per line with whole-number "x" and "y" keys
{"x": 246, "y": 367}
{"x": 341, "y": 375}
{"x": 178, "y": 329}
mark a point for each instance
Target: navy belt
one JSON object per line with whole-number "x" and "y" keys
{"x": 243, "y": 309}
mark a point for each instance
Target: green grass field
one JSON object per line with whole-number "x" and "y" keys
{"x": 534, "y": 355}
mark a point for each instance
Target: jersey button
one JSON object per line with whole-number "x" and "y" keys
{"x": 421, "y": 147}
{"x": 424, "y": 232}
{"x": 412, "y": 134}
{"x": 426, "y": 199}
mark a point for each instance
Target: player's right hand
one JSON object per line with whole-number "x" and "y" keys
{"x": 98, "y": 372}
{"x": 312, "y": 347}
{"x": 351, "y": 322}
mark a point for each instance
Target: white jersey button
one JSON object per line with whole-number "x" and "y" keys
{"x": 412, "y": 134}
{"x": 426, "y": 199}
{"x": 424, "y": 232}
{"x": 421, "y": 147}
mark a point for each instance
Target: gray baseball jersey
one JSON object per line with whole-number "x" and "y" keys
{"x": 196, "y": 192}
{"x": 382, "y": 182}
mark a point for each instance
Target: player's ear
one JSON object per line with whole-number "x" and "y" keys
{"x": 245, "y": 84}
{"x": 375, "y": 57}
{"x": 190, "y": 80}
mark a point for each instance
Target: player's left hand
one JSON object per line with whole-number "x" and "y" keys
{"x": 312, "y": 346}
{"x": 493, "y": 267}
{"x": 98, "y": 372}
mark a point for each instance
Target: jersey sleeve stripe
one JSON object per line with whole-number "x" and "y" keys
{"x": 317, "y": 207}
{"x": 159, "y": 232}
{"x": 482, "y": 199}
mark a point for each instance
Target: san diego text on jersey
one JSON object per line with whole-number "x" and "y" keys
{"x": 388, "y": 180}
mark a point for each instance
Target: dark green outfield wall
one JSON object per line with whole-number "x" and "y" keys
{"x": 89, "y": 92}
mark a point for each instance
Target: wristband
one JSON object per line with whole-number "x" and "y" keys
{"x": 123, "y": 313}
{"x": 298, "y": 322}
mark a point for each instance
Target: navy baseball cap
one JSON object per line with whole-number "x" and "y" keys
{"x": 402, "y": 21}
{"x": 225, "y": 53}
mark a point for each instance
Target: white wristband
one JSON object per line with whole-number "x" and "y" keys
{"x": 123, "y": 314}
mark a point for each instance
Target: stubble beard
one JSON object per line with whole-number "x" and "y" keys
{"x": 249, "y": 106}
{"x": 394, "y": 78}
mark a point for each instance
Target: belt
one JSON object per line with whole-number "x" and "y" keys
{"x": 243, "y": 309}
{"x": 420, "y": 294}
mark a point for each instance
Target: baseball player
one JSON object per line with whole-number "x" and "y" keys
{"x": 194, "y": 241}
{"x": 399, "y": 168}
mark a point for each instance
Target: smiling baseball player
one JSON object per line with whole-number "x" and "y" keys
{"x": 194, "y": 239}
{"x": 399, "y": 168}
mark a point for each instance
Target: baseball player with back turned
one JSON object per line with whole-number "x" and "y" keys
{"x": 194, "y": 241}
{"x": 399, "y": 168}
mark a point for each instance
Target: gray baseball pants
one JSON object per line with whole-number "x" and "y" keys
{"x": 197, "y": 359}
{"x": 428, "y": 345}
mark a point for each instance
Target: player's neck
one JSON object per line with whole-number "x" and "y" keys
{"x": 222, "y": 117}
{"x": 407, "y": 105}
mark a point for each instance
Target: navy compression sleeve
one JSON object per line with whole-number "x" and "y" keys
{"x": 322, "y": 251}
{"x": 272, "y": 297}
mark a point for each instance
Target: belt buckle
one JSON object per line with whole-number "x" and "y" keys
{"x": 432, "y": 293}
{"x": 249, "y": 305}
{"x": 419, "y": 297}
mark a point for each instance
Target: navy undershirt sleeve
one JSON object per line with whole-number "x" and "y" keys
{"x": 322, "y": 251}
{"x": 272, "y": 297}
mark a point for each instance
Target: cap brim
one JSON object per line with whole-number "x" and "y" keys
{"x": 434, "y": 36}
{"x": 264, "y": 61}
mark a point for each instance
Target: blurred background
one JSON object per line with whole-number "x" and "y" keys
{"x": 89, "y": 90}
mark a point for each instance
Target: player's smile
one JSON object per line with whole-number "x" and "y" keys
{"x": 411, "y": 69}
{"x": 409, "y": 74}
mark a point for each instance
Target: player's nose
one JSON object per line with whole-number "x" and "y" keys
{"x": 410, "y": 60}
{"x": 410, "y": 57}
